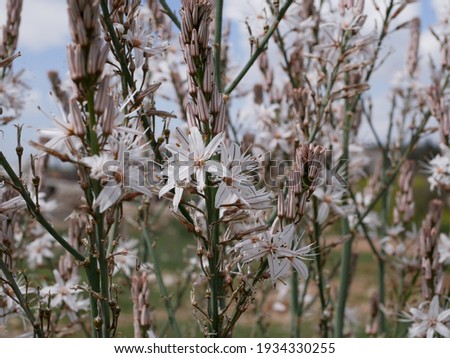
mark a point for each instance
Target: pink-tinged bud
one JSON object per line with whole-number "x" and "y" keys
{"x": 291, "y": 204}
{"x": 192, "y": 69}
{"x": 215, "y": 102}
{"x": 192, "y": 87}
{"x": 281, "y": 211}
{"x": 220, "y": 120}
{"x": 202, "y": 105}
{"x": 101, "y": 97}
{"x": 208, "y": 76}
{"x": 108, "y": 117}
{"x": 76, "y": 119}
{"x": 190, "y": 113}
{"x": 195, "y": 50}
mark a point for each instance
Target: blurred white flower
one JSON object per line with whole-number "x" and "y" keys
{"x": 426, "y": 323}
{"x": 444, "y": 249}
{"x": 39, "y": 250}
{"x": 331, "y": 200}
{"x": 439, "y": 170}
{"x": 63, "y": 293}
{"x": 143, "y": 41}
{"x": 125, "y": 256}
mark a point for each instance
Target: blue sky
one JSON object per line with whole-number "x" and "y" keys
{"x": 44, "y": 35}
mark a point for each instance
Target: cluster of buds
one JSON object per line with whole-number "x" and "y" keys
{"x": 87, "y": 53}
{"x": 302, "y": 181}
{"x": 207, "y": 108}
{"x": 10, "y": 34}
{"x": 404, "y": 198}
{"x": 433, "y": 280}
{"x": 141, "y": 311}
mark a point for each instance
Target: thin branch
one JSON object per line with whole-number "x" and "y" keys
{"x": 168, "y": 11}
{"x": 36, "y": 212}
{"x": 260, "y": 49}
{"x": 22, "y": 302}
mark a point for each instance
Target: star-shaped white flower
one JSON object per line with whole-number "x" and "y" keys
{"x": 281, "y": 250}
{"x": 190, "y": 158}
{"x": 63, "y": 292}
{"x": 428, "y": 323}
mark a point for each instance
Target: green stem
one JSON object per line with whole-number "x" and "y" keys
{"x": 94, "y": 283}
{"x": 116, "y": 45}
{"x": 347, "y": 249}
{"x": 216, "y": 301}
{"x": 385, "y": 223}
{"x": 321, "y": 283}
{"x": 104, "y": 276}
{"x": 295, "y": 326}
{"x": 218, "y": 43}
{"x": 99, "y": 229}
{"x": 260, "y": 49}
{"x": 150, "y": 243}
{"x": 243, "y": 300}
{"x": 22, "y": 302}
{"x": 35, "y": 211}
{"x": 381, "y": 294}
{"x": 170, "y": 13}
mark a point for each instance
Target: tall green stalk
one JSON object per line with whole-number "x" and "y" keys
{"x": 260, "y": 49}
{"x": 346, "y": 254}
{"x": 215, "y": 279}
{"x": 20, "y": 298}
{"x": 150, "y": 244}
{"x": 295, "y": 324}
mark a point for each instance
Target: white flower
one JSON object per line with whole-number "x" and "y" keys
{"x": 64, "y": 131}
{"x": 125, "y": 256}
{"x": 427, "y": 324}
{"x": 444, "y": 249}
{"x": 331, "y": 200}
{"x": 142, "y": 40}
{"x": 190, "y": 157}
{"x": 236, "y": 183}
{"x": 99, "y": 164}
{"x": 277, "y": 136}
{"x": 281, "y": 250}
{"x": 439, "y": 170}
{"x": 38, "y": 250}
{"x": 63, "y": 292}
{"x": 118, "y": 175}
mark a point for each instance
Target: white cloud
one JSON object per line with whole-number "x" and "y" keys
{"x": 441, "y": 9}
{"x": 44, "y": 24}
